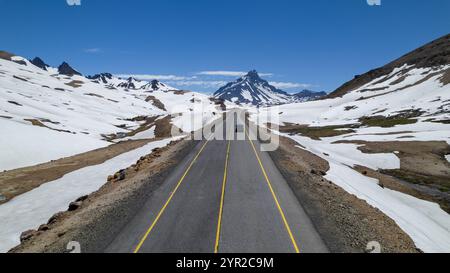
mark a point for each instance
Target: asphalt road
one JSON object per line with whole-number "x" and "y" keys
{"x": 226, "y": 197}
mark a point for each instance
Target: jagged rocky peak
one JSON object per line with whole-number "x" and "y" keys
{"x": 39, "y": 63}
{"x": 309, "y": 94}
{"x": 66, "y": 69}
{"x": 103, "y": 77}
{"x": 155, "y": 84}
{"x": 130, "y": 83}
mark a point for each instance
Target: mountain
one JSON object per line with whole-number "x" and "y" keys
{"x": 130, "y": 83}
{"x": 103, "y": 77}
{"x": 42, "y": 114}
{"x": 414, "y": 89}
{"x": 253, "y": 90}
{"x": 435, "y": 54}
{"x": 156, "y": 85}
{"x": 307, "y": 95}
{"x": 389, "y": 124}
{"x": 66, "y": 69}
{"x": 39, "y": 63}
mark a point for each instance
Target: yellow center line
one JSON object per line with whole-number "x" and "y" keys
{"x": 222, "y": 198}
{"x": 286, "y": 224}
{"x": 149, "y": 230}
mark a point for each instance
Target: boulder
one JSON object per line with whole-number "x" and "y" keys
{"x": 75, "y": 205}
{"x": 27, "y": 235}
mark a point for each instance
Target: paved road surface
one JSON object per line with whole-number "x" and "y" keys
{"x": 226, "y": 197}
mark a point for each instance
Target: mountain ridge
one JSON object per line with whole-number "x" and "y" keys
{"x": 253, "y": 90}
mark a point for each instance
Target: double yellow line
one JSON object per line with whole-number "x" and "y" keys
{"x": 222, "y": 198}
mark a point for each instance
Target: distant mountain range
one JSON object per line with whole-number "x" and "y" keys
{"x": 251, "y": 89}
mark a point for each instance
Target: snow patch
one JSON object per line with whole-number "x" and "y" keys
{"x": 31, "y": 209}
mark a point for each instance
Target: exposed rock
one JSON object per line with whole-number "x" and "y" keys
{"x": 75, "y": 205}
{"x": 39, "y": 63}
{"x": 43, "y": 228}
{"x": 55, "y": 218}
{"x": 66, "y": 69}
{"x": 27, "y": 235}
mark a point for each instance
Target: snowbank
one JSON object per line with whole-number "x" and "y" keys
{"x": 425, "y": 222}
{"x": 35, "y": 207}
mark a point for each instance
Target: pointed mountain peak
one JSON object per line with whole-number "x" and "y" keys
{"x": 66, "y": 69}
{"x": 39, "y": 63}
{"x": 104, "y": 77}
{"x": 252, "y": 75}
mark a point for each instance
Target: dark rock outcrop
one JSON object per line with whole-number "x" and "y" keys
{"x": 66, "y": 69}
{"x": 39, "y": 63}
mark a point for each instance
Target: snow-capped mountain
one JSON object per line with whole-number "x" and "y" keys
{"x": 66, "y": 69}
{"x": 308, "y": 95}
{"x": 252, "y": 90}
{"x": 39, "y": 63}
{"x": 111, "y": 81}
{"x": 46, "y": 115}
{"x": 398, "y": 109}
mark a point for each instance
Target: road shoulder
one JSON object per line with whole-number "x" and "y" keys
{"x": 345, "y": 223}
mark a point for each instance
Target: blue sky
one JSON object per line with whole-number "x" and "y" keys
{"x": 318, "y": 44}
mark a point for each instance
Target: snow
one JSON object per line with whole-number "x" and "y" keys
{"x": 83, "y": 115}
{"x": 35, "y": 207}
{"x": 447, "y": 157}
{"x": 147, "y": 134}
{"x": 348, "y": 154}
{"x": 425, "y": 222}
{"x": 427, "y": 96}
{"x": 23, "y": 145}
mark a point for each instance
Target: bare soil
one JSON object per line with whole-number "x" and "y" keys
{"x": 19, "y": 181}
{"x": 424, "y": 171}
{"x": 316, "y": 132}
{"x": 102, "y": 214}
{"x": 346, "y": 223}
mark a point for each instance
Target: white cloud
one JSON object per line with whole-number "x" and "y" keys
{"x": 93, "y": 50}
{"x": 290, "y": 85}
{"x": 206, "y": 84}
{"x": 147, "y": 77}
{"x": 230, "y": 73}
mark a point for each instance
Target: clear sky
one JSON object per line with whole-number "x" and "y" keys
{"x": 318, "y": 44}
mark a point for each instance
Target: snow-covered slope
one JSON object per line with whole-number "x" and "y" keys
{"x": 252, "y": 90}
{"x": 111, "y": 81}
{"x": 410, "y": 97}
{"x": 46, "y": 116}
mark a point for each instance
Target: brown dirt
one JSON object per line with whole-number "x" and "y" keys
{"x": 345, "y": 222}
{"x": 94, "y": 95}
{"x": 393, "y": 183}
{"x": 315, "y": 132}
{"x": 156, "y": 102}
{"x": 422, "y": 163}
{"x": 446, "y": 77}
{"x": 36, "y": 122}
{"x": 6, "y": 55}
{"x": 75, "y": 84}
{"x": 19, "y": 181}
{"x": 103, "y": 213}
